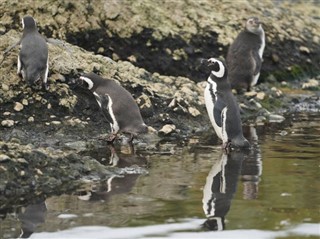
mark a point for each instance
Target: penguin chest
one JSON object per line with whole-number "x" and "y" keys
{"x": 106, "y": 105}
{"x": 210, "y": 101}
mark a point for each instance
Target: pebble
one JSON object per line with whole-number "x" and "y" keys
{"x": 31, "y": 119}
{"x": 167, "y": 129}
{"x": 4, "y": 158}
{"x": 193, "y": 111}
{"x": 261, "y": 95}
{"x": 4, "y": 87}
{"x": 18, "y": 106}
{"x": 276, "y": 118}
{"x": 312, "y": 83}
{"x": 56, "y": 122}
{"x": 25, "y": 102}
{"x": 7, "y": 123}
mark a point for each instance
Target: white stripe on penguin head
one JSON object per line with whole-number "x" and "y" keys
{"x": 221, "y": 71}
{"x": 88, "y": 80}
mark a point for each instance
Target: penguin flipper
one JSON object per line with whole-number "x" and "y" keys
{"x": 103, "y": 101}
{"x": 217, "y": 111}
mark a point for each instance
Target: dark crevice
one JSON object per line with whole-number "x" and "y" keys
{"x": 171, "y": 56}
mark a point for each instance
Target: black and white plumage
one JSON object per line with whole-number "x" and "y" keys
{"x": 222, "y": 107}
{"x": 117, "y": 105}
{"x": 244, "y": 58}
{"x": 33, "y": 56}
{"x": 220, "y": 187}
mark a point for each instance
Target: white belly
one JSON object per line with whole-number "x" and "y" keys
{"x": 209, "y": 101}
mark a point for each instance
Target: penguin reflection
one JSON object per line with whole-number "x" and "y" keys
{"x": 31, "y": 217}
{"x": 113, "y": 185}
{"x": 252, "y": 168}
{"x": 221, "y": 184}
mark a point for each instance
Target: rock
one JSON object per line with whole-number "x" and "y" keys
{"x": 261, "y": 95}
{"x": 25, "y": 102}
{"x": 261, "y": 120}
{"x": 7, "y": 123}
{"x": 193, "y": 111}
{"x": 31, "y": 119}
{"x": 167, "y": 129}
{"x": 304, "y": 49}
{"x": 18, "y": 106}
{"x": 5, "y": 87}
{"x": 250, "y": 94}
{"x": 273, "y": 118}
{"x": 312, "y": 83}
{"x": 4, "y": 158}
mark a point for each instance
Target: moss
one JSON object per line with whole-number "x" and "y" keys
{"x": 271, "y": 103}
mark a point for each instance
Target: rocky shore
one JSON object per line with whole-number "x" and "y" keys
{"x": 153, "y": 52}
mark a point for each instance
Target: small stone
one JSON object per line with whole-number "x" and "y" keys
{"x": 18, "y": 106}
{"x": 167, "y": 129}
{"x": 31, "y": 119}
{"x": 49, "y": 106}
{"x": 56, "y": 122}
{"x": 7, "y": 113}
{"x": 312, "y": 83}
{"x": 7, "y": 123}
{"x": 4, "y": 158}
{"x": 260, "y": 120}
{"x": 22, "y": 173}
{"x": 5, "y": 87}
{"x": 276, "y": 118}
{"x": 250, "y": 94}
{"x": 25, "y": 102}
{"x": 193, "y": 111}
{"x": 261, "y": 95}
{"x": 22, "y": 161}
{"x": 304, "y": 49}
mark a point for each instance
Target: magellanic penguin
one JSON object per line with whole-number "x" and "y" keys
{"x": 117, "y": 105}
{"x": 222, "y": 108}
{"x": 244, "y": 58}
{"x": 33, "y": 56}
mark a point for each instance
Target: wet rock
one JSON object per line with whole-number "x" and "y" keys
{"x": 273, "y": 118}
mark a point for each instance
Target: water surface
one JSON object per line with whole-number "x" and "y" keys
{"x": 192, "y": 191}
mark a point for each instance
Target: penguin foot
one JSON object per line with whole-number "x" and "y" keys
{"x": 227, "y": 147}
{"x": 111, "y": 138}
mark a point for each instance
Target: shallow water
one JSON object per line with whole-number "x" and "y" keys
{"x": 271, "y": 191}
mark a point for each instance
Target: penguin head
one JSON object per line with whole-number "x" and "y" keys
{"x": 28, "y": 23}
{"x": 86, "y": 82}
{"x": 253, "y": 25}
{"x": 218, "y": 68}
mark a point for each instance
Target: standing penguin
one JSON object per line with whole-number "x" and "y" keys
{"x": 244, "y": 58}
{"x": 117, "y": 105}
{"x": 33, "y": 57}
{"x": 222, "y": 107}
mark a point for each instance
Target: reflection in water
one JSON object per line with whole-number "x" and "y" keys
{"x": 221, "y": 184}
{"x": 103, "y": 190}
{"x": 31, "y": 217}
{"x": 252, "y": 168}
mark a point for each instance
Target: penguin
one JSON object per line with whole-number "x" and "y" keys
{"x": 117, "y": 105}
{"x": 244, "y": 57}
{"x": 33, "y": 56}
{"x": 222, "y": 108}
